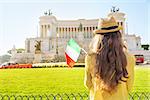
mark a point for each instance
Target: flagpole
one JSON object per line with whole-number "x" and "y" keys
{"x": 84, "y": 50}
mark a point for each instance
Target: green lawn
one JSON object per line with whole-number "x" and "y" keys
{"x": 57, "y": 80}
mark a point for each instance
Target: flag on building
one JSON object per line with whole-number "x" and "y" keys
{"x": 72, "y": 52}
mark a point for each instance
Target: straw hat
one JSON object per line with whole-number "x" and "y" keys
{"x": 107, "y": 25}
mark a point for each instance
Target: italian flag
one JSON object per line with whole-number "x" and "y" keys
{"x": 72, "y": 52}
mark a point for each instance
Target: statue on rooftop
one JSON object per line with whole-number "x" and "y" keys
{"x": 114, "y": 9}
{"x": 50, "y": 12}
{"x": 45, "y": 13}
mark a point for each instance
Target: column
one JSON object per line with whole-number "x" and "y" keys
{"x": 59, "y": 32}
{"x": 57, "y": 29}
{"x": 73, "y": 33}
{"x": 84, "y": 32}
{"x": 41, "y": 30}
{"x": 65, "y": 36}
{"x": 65, "y": 33}
{"x": 46, "y": 30}
{"x": 76, "y": 30}
{"x": 87, "y": 32}
{"x": 92, "y": 31}
{"x": 69, "y": 33}
{"x": 62, "y": 34}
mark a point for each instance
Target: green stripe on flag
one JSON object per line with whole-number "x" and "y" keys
{"x": 74, "y": 45}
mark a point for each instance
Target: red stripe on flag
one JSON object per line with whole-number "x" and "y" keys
{"x": 69, "y": 61}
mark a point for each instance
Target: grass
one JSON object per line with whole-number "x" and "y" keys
{"x": 142, "y": 79}
{"x": 57, "y": 80}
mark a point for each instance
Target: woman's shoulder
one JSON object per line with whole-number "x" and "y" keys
{"x": 129, "y": 56}
{"x": 90, "y": 56}
{"x": 90, "y": 59}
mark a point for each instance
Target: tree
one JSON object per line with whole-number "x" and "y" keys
{"x": 19, "y": 50}
{"x": 4, "y": 58}
{"x": 9, "y": 51}
{"x": 145, "y": 46}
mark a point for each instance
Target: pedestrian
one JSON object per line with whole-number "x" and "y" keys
{"x": 109, "y": 67}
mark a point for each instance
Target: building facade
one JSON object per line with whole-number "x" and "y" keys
{"x": 55, "y": 33}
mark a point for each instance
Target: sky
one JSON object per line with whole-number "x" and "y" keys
{"x": 19, "y": 19}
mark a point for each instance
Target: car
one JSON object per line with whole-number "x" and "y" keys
{"x": 7, "y": 64}
{"x": 147, "y": 62}
{"x": 15, "y": 65}
{"x": 139, "y": 58}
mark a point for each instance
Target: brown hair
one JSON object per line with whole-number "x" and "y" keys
{"x": 110, "y": 60}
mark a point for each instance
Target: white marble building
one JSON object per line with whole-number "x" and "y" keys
{"x": 55, "y": 33}
{"x": 53, "y": 30}
{"x": 133, "y": 42}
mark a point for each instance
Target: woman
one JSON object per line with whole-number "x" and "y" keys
{"x": 109, "y": 68}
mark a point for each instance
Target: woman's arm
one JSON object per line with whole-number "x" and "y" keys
{"x": 87, "y": 77}
{"x": 130, "y": 69}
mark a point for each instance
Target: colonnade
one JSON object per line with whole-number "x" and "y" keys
{"x": 44, "y": 30}
{"x": 68, "y": 32}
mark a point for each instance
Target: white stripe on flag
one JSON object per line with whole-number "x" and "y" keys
{"x": 72, "y": 53}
